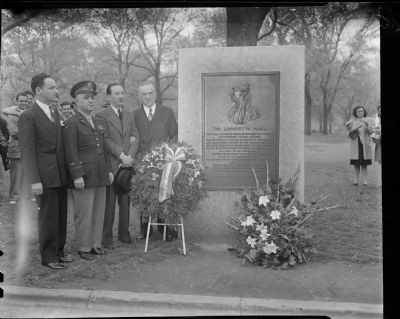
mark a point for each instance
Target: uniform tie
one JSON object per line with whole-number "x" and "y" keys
{"x": 120, "y": 114}
{"x": 150, "y": 116}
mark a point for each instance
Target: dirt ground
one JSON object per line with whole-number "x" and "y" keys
{"x": 347, "y": 268}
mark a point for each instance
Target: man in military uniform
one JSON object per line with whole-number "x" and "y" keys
{"x": 121, "y": 144}
{"x": 89, "y": 170}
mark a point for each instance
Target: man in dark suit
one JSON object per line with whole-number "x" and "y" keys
{"x": 155, "y": 124}
{"x": 121, "y": 144}
{"x": 42, "y": 154}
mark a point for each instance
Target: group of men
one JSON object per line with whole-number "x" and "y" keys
{"x": 84, "y": 153}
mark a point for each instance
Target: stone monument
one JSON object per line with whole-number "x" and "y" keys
{"x": 240, "y": 107}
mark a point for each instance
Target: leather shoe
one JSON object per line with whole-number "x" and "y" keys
{"x": 53, "y": 265}
{"x": 125, "y": 241}
{"x": 85, "y": 255}
{"x": 110, "y": 246}
{"x": 66, "y": 259}
{"x": 140, "y": 237}
{"x": 98, "y": 251}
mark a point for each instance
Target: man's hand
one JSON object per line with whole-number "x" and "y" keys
{"x": 79, "y": 183}
{"x": 127, "y": 160}
{"x": 37, "y": 189}
{"x": 111, "y": 177}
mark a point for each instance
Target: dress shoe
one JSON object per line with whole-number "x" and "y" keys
{"x": 110, "y": 247}
{"x": 98, "y": 251}
{"x": 85, "y": 255}
{"x": 66, "y": 258}
{"x": 141, "y": 237}
{"x": 53, "y": 265}
{"x": 126, "y": 241}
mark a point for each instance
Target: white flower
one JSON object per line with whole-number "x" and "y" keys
{"x": 251, "y": 241}
{"x": 262, "y": 227}
{"x": 270, "y": 248}
{"x": 200, "y": 184}
{"x": 141, "y": 169}
{"x": 294, "y": 211}
{"x": 263, "y": 200}
{"x": 264, "y": 231}
{"x": 191, "y": 180}
{"x": 196, "y": 173}
{"x": 249, "y": 221}
{"x": 160, "y": 165}
{"x": 275, "y": 214}
{"x": 154, "y": 176}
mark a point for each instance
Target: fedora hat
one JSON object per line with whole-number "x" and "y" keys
{"x": 122, "y": 180}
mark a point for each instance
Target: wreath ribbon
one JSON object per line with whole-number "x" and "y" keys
{"x": 171, "y": 169}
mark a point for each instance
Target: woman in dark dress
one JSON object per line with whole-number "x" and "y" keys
{"x": 359, "y": 132}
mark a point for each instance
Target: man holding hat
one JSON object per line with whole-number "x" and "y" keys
{"x": 121, "y": 144}
{"x": 89, "y": 170}
{"x": 42, "y": 155}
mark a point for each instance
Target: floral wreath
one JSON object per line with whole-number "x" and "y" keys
{"x": 271, "y": 225}
{"x": 169, "y": 181}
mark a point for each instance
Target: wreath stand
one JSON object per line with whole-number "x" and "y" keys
{"x": 165, "y": 233}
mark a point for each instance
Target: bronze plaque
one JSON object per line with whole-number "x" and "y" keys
{"x": 240, "y": 113}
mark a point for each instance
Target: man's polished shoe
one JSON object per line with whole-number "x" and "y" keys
{"x": 141, "y": 237}
{"x": 85, "y": 255}
{"x": 110, "y": 247}
{"x": 98, "y": 251}
{"x": 53, "y": 265}
{"x": 66, "y": 259}
{"x": 129, "y": 241}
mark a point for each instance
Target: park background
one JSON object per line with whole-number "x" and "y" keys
{"x": 130, "y": 45}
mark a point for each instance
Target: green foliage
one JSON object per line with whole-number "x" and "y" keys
{"x": 270, "y": 225}
{"x": 188, "y": 186}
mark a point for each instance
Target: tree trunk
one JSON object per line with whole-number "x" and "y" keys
{"x": 244, "y": 24}
{"x": 325, "y": 115}
{"x": 307, "y": 107}
{"x": 159, "y": 99}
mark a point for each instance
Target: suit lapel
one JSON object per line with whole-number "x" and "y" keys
{"x": 114, "y": 120}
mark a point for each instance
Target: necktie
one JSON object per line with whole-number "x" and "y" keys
{"x": 52, "y": 116}
{"x": 150, "y": 116}
{"x": 120, "y": 114}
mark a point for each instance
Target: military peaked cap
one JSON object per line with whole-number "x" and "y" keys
{"x": 83, "y": 87}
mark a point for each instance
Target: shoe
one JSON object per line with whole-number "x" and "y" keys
{"x": 13, "y": 202}
{"x": 33, "y": 199}
{"x": 365, "y": 184}
{"x": 110, "y": 246}
{"x": 125, "y": 241}
{"x": 53, "y": 265}
{"x": 85, "y": 255}
{"x": 66, "y": 259}
{"x": 141, "y": 237}
{"x": 355, "y": 184}
{"x": 98, "y": 251}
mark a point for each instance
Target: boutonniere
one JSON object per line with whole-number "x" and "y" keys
{"x": 63, "y": 123}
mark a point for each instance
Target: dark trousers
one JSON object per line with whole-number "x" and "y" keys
{"x": 4, "y": 159}
{"x": 52, "y": 223}
{"x": 109, "y": 214}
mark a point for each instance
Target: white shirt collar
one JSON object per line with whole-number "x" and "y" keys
{"x": 147, "y": 109}
{"x": 115, "y": 109}
{"x": 45, "y": 108}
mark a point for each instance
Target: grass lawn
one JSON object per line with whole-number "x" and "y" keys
{"x": 351, "y": 233}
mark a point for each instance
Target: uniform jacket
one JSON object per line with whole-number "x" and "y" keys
{"x": 12, "y": 117}
{"x": 84, "y": 152}
{"x": 118, "y": 137}
{"x": 42, "y": 148}
{"x": 163, "y": 127}
{"x": 364, "y": 132}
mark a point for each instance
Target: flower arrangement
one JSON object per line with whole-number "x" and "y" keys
{"x": 271, "y": 225}
{"x": 169, "y": 181}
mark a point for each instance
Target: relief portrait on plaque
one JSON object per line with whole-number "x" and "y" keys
{"x": 241, "y": 110}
